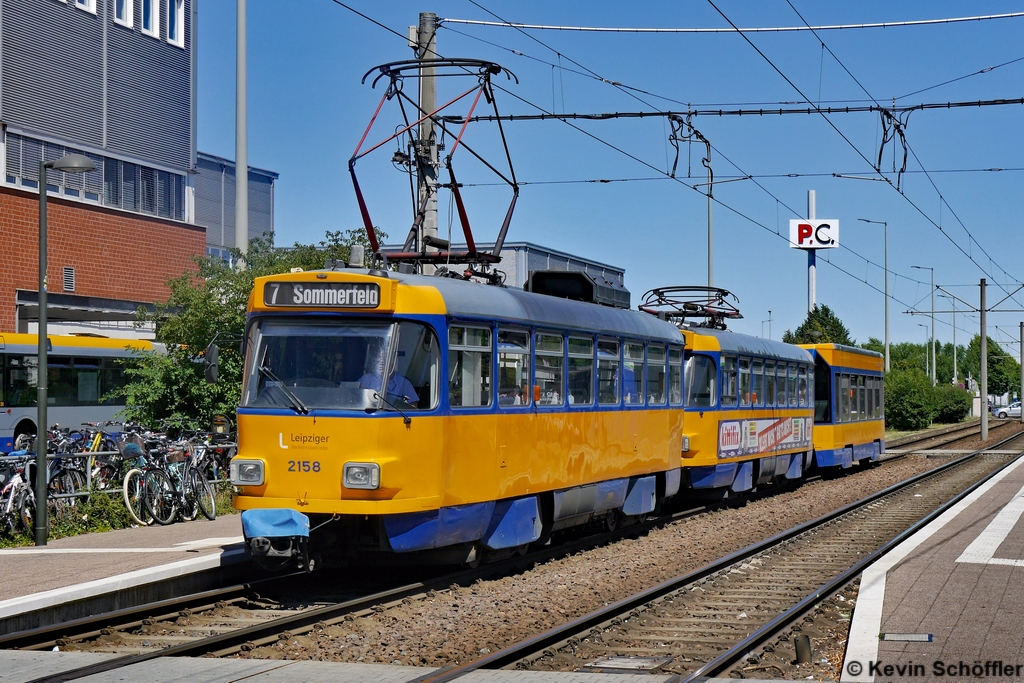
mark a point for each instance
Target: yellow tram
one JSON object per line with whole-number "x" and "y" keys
{"x": 384, "y": 411}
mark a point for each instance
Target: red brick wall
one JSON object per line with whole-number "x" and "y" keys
{"x": 115, "y": 254}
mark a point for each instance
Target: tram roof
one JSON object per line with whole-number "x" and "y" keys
{"x": 744, "y": 344}
{"x": 475, "y": 300}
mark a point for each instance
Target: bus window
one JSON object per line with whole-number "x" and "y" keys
{"x": 802, "y": 386}
{"x": 744, "y": 381}
{"x": 675, "y": 375}
{"x": 769, "y": 382}
{"x": 20, "y": 381}
{"x": 469, "y": 366}
{"x": 728, "y": 381}
{"x": 550, "y": 367}
{"x": 656, "y": 375}
{"x": 633, "y": 373}
{"x": 514, "y": 368}
{"x": 581, "y": 371}
{"x": 607, "y": 372}
{"x": 700, "y": 380}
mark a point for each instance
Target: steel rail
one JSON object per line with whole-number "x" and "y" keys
{"x": 721, "y": 663}
{"x": 516, "y": 652}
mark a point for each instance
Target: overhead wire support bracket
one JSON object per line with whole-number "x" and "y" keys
{"x": 395, "y": 72}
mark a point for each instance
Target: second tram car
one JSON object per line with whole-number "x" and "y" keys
{"x": 849, "y": 412}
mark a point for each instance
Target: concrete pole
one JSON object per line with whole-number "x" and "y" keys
{"x": 241, "y": 136}
{"x": 426, "y": 48}
{"x": 984, "y": 367}
{"x": 811, "y": 258}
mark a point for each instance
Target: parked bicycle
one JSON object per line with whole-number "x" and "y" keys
{"x": 178, "y": 487}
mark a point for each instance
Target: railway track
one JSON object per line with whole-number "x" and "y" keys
{"x": 938, "y": 439}
{"x": 707, "y": 621}
{"x": 245, "y": 617}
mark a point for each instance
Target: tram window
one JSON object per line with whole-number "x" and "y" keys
{"x": 656, "y": 377}
{"x": 728, "y": 381}
{"x": 847, "y": 409}
{"x": 791, "y": 384}
{"x": 331, "y": 364}
{"x": 675, "y": 376}
{"x": 469, "y": 367}
{"x": 744, "y": 381}
{"x": 862, "y": 398}
{"x": 581, "y": 371}
{"x": 607, "y": 372}
{"x": 870, "y": 391}
{"x": 802, "y": 386}
{"x": 514, "y": 368}
{"x": 879, "y": 398}
{"x": 633, "y": 373}
{"x": 757, "y": 382}
{"x": 823, "y": 393}
{"x": 550, "y": 369}
{"x": 700, "y": 380}
{"x": 769, "y": 382}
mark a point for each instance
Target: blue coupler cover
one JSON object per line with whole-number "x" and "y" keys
{"x": 274, "y": 523}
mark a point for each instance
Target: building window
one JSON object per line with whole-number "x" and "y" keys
{"x": 151, "y": 18}
{"x": 87, "y": 5}
{"x": 176, "y": 22}
{"x": 123, "y": 12}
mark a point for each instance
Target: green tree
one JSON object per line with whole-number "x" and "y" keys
{"x": 1003, "y": 369}
{"x": 205, "y": 303}
{"x": 822, "y": 326}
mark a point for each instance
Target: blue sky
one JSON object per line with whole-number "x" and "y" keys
{"x": 307, "y": 111}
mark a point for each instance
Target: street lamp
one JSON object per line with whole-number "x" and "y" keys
{"x": 71, "y": 163}
{"x": 929, "y": 268}
{"x": 886, "y": 234}
{"x": 925, "y": 348}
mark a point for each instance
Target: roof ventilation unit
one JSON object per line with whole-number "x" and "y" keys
{"x": 579, "y": 286}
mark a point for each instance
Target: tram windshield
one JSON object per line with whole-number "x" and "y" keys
{"x": 341, "y": 365}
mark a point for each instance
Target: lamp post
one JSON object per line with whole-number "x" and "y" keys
{"x": 885, "y": 230}
{"x": 932, "y": 270}
{"x": 71, "y": 163}
{"x": 926, "y": 371}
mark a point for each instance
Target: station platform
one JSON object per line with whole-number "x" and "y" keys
{"x": 79, "y": 575}
{"x": 22, "y": 667}
{"x": 948, "y": 603}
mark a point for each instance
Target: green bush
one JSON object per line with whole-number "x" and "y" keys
{"x": 952, "y": 404}
{"x": 909, "y": 400}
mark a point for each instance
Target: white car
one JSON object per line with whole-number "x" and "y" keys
{"x": 1012, "y": 410}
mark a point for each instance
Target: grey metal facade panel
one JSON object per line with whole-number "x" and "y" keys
{"x": 81, "y": 77}
{"x": 149, "y": 98}
{"x": 53, "y": 69}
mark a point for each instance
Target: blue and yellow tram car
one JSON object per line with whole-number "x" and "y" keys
{"x": 396, "y": 412}
{"x": 748, "y": 411}
{"x": 849, "y": 405}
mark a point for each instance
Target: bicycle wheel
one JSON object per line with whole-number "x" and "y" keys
{"x": 160, "y": 496}
{"x": 25, "y": 504}
{"x": 134, "y": 499}
{"x": 203, "y": 492}
{"x": 103, "y": 476}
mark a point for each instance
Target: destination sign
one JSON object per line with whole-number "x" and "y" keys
{"x": 327, "y": 294}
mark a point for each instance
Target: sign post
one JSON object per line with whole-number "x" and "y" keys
{"x": 813, "y": 234}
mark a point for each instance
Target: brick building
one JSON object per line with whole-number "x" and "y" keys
{"x": 113, "y": 80}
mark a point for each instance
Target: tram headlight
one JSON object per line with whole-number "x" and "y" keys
{"x": 361, "y": 475}
{"x": 246, "y": 472}
{"x": 686, "y": 443}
